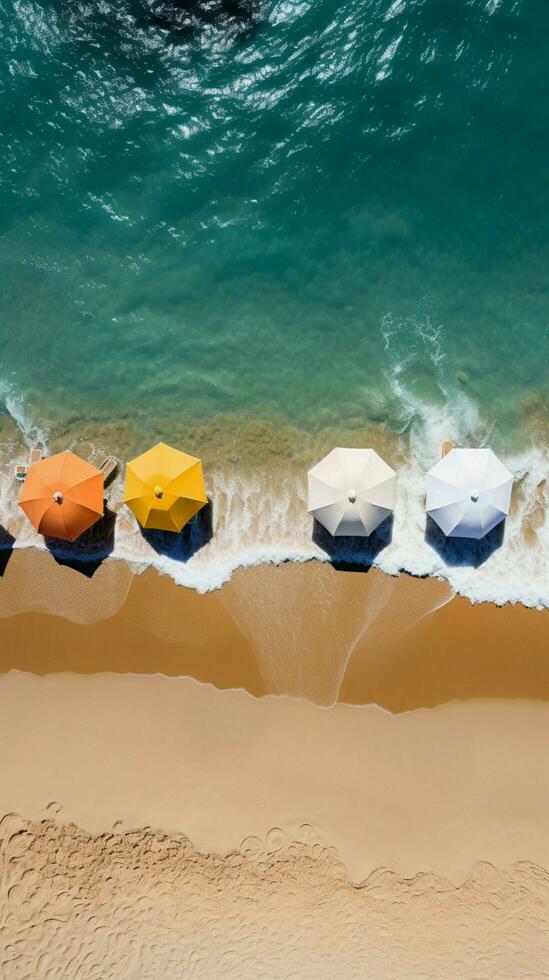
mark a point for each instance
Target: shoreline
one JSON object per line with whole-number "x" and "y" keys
{"x": 256, "y": 481}
{"x": 302, "y": 630}
{"x": 345, "y": 751}
{"x": 179, "y": 564}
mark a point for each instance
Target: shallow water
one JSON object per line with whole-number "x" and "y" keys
{"x": 327, "y": 216}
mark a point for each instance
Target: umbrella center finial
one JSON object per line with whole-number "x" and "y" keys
{"x": 474, "y": 496}
{"x": 351, "y": 496}
{"x": 158, "y": 491}
{"x": 58, "y": 497}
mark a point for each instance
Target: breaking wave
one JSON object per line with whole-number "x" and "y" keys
{"x": 261, "y": 517}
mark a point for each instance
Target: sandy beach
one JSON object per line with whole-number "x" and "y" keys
{"x": 274, "y": 495}
{"x": 168, "y": 809}
{"x": 205, "y": 715}
{"x": 143, "y": 905}
{"x": 344, "y": 753}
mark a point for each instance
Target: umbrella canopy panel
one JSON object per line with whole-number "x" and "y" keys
{"x": 164, "y": 488}
{"x": 351, "y": 491}
{"x": 62, "y": 496}
{"x": 468, "y": 492}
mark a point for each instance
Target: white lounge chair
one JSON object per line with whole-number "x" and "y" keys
{"x": 108, "y": 467}
{"x": 35, "y": 456}
{"x": 107, "y": 464}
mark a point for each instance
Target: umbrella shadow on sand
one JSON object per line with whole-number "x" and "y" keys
{"x": 350, "y": 554}
{"x": 463, "y": 552}
{"x": 7, "y": 542}
{"x": 89, "y": 551}
{"x": 194, "y": 536}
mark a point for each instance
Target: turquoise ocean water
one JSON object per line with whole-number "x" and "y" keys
{"x": 323, "y": 213}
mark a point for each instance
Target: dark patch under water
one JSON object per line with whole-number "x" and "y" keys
{"x": 181, "y": 20}
{"x": 185, "y": 17}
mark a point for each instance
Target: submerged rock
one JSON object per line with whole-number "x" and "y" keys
{"x": 184, "y": 18}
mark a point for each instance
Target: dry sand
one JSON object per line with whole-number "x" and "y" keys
{"x": 309, "y": 828}
{"x": 150, "y": 907}
{"x": 431, "y": 790}
{"x": 175, "y": 826}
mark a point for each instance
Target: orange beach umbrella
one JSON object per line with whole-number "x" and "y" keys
{"x": 164, "y": 488}
{"x": 62, "y": 496}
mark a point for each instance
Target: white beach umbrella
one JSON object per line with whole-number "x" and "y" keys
{"x": 468, "y": 492}
{"x": 351, "y": 491}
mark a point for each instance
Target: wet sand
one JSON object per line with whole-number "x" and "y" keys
{"x": 119, "y": 622}
{"x": 302, "y": 630}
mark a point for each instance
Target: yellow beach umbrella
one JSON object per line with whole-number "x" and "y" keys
{"x": 164, "y": 488}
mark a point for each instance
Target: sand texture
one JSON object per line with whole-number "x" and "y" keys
{"x": 428, "y": 790}
{"x": 143, "y": 906}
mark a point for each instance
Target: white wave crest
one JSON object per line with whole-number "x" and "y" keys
{"x": 33, "y": 433}
{"x": 261, "y": 516}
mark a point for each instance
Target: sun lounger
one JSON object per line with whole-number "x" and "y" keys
{"x": 35, "y": 456}
{"x": 108, "y": 468}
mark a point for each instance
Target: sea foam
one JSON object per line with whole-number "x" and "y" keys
{"x": 15, "y": 406}
{"x": 262, "y": 517}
